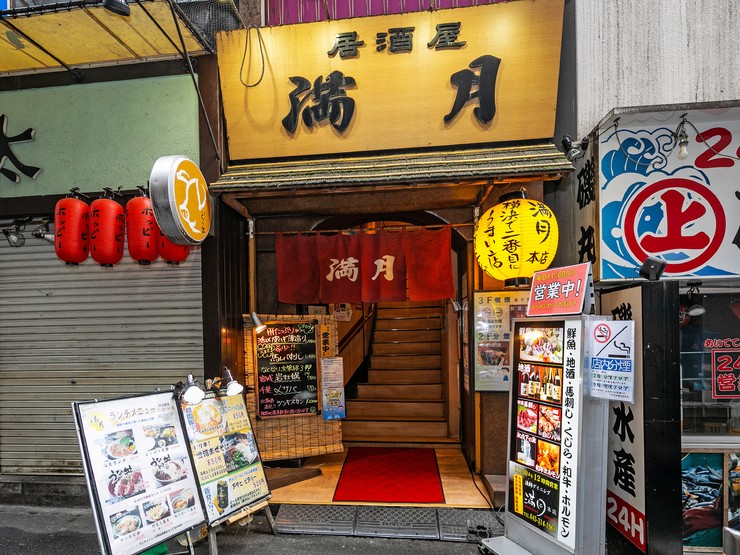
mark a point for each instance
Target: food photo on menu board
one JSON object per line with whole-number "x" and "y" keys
{"x": 541, "y": 344}
{"x": 526, "y": 416}
{"x": 135, "y": 454}
{"x": 548, "y": 458}
{"x": 526, "y": 448}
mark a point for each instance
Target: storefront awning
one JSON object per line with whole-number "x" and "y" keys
{"x": 386, "y": 182}
{"x": 82, "y": 34}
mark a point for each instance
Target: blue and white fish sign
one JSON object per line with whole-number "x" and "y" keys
{"x": 612, "y": 360}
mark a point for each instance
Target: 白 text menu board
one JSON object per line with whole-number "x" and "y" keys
{"x": 287, "y": 370}
{"x": 140, "y": 477}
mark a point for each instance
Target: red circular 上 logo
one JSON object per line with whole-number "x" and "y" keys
{"x": 681, "y": 211}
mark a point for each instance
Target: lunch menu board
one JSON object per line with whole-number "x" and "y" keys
{"x": 545, "y": 413}
{"x": 224, "y": 451}
{"x": 287, "y": 370}
{"x": 135, "y": 456}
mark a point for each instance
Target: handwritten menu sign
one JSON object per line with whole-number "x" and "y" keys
{"x": 544, "y": 416}
{"x": 287, "y": 370}
{"x": 135, "y": 456}
{"x": 227, "y": 462}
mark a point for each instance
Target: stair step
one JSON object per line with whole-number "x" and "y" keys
{"x": 357, "y": 408}
{"x": 406, "y": 348}
{"x": 389, "y": 418}
{"x": 422, "y": 312}
{"x": 400, "y": 392}
{"x": 384, "y": 428}
{"x": 400, "y": 362}
{"x": 404, "y": 376}
{"x": 401, "y": 441}
{"x": 409, "y": 324}
{"x": 408, "y": 336}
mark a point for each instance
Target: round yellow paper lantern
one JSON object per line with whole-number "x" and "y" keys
{"x": 516, "y": 238}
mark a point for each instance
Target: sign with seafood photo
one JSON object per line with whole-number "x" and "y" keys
{"x": 546, "y": 400}
{"x": 224, "y": 451}
{"x": 140, "y": 478}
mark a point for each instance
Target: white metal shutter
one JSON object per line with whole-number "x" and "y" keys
{"x": 76, "y": 333}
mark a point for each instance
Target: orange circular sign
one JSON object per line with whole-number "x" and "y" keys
{"x": 182, "y": 204}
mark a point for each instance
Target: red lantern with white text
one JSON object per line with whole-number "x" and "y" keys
{"x": 142, "y": 229}
{"x": 107, "y": 229}
{"x": 71, "y": 229}
{"x": 172, "y": 253}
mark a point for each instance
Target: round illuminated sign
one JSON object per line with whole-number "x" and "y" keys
{"x": 182, "y": 205}
{"x": 516, "y": 238}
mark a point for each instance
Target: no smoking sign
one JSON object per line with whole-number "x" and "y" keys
{"x": 602, "y": 333}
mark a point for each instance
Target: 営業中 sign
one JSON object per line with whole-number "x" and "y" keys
{"x": 561, "y": 291}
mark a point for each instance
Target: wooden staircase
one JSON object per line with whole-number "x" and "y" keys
{"x": 403, "y": 401}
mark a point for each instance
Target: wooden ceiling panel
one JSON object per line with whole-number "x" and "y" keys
{"x": 16, "y": 54}
{"x": 89, "y": 36}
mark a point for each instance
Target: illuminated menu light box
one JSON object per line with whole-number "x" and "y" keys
{"x": 557, "y": 444}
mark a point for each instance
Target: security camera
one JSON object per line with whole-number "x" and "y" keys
{"x": 573, "y": 150}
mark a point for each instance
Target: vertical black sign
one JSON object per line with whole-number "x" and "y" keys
{"x": 287, "y": 370}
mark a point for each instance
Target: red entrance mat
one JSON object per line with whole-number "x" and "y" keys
{"x": 390, "y": 475}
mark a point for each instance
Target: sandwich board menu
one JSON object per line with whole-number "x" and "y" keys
{"x": 141, "y": 481}
{"x": 287, "y": 370}
{"x": 227, "y": 462}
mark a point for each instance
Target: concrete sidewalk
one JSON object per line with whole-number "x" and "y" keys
{"x": 71, "y": 531}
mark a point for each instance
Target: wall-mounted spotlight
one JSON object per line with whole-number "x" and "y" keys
{"x": 259, "y": 325}
{"x": 696, "y": 308}
{"x": 652, "y": 268}
{"x": 191, "y": 392}
{"x": 118, "y": 7}
{"x": 42, "y": 232}
{"x": 13, "y": 233}
{"x": 233, "y": 387}
{"x": 682, "y": 139}
{"x": 573, "y": 150}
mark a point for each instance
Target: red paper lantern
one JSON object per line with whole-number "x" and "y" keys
{"x": 107, "y": 229}
{"x": 142, "y": 230}
{"x": 172, "y": 253}
{"x": 71, "y": 229}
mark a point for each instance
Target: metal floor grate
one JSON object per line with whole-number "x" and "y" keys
{"x": 460, "y": 525}
{"x": 336, "y": 520}
{"x": 397, "y": 522}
